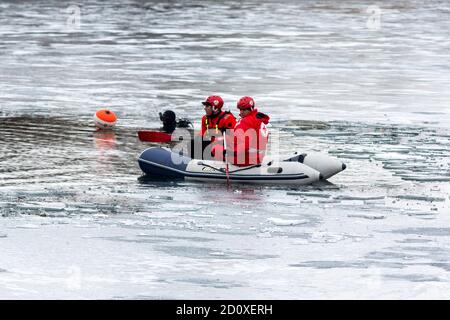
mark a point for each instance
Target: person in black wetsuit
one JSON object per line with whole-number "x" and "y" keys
{"x": 170, "y": 122}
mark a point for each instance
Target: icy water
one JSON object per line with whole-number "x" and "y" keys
{"x": 79, "y": 221}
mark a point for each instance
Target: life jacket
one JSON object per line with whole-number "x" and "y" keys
{"x": 213, "y": 128}
{"x": 219, "y": 122}
{"x": 249, "y": 142}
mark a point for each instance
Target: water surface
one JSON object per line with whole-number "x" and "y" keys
{"x": 79, "y": 221}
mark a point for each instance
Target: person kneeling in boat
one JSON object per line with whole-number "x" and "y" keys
{"x": 214, "y": 123}
{"x": 248, "y": 141}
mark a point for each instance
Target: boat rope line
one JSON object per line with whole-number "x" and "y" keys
{"x": 162, "y": 166}
{"x": 208, "y": 175}
{"x": 200, "y": 163}
{"x": 246, "y": 168}
{"x": 208, "y": 166}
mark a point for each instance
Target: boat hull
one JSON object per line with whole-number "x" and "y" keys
{"x": 164, "y": 162}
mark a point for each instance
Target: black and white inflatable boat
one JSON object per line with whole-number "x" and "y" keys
{"x": 296, "y": 169}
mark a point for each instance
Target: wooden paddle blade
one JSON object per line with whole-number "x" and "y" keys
{"x": 154, "y": 136}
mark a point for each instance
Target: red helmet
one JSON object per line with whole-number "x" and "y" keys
{"x": 214, "y": 101}
{"x": 246, "y": 103}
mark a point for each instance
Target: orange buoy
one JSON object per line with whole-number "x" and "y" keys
{"x": 105, "y": 119}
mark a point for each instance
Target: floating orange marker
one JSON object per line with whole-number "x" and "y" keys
{"x": 105, "y": 119}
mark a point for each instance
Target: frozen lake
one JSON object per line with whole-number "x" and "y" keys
{"x": 78, "y": 221}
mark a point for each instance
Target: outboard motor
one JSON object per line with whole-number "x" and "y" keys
{"x": 170, "y": 122}
{"x": 168, "y": 119}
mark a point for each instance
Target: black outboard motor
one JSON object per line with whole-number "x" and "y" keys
{"x": 170, "y": 123}
{"x": 184, "y": 123}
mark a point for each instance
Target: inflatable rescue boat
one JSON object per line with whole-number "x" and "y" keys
{"x": 298, "y": 169}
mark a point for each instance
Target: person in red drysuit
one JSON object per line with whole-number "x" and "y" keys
{"x": 215, "y": 118}
{"x": 214, "y": 123}
{"x": 247, "y": 145}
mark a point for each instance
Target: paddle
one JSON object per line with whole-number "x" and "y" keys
{"x": 154, "y": 136}
{"x": 227, "y": 171}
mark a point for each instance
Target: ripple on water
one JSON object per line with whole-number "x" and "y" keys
{"x": 209, "y": 253}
